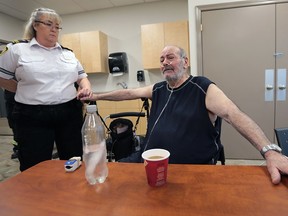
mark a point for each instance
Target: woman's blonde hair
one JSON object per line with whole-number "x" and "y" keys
{"x": 29, "y": 31}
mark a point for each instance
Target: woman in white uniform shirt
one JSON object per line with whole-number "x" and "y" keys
{"x": 47, "y": 109}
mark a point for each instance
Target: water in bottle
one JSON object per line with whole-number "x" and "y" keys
{"x": 94, "y": 147}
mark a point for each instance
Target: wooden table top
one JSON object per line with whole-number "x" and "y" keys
{"x": 46, "y": 189}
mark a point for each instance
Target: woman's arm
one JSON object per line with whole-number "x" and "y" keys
{"x": 10, "y": 85}
{"x": 84, "y": 88}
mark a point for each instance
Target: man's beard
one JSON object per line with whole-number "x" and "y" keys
{"x": 176, "y": 76}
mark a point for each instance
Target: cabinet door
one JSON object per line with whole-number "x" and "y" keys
{"x": 177, "y": 33}
{"x": 152, "y": 38}
{"x": 155, "y": 36}
{"x": 91, "y": 49}
{"x": 94, "y": 51}
{"x": 238, "y": 46}
{"x": 72, "y": 41}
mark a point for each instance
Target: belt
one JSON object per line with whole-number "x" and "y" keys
{"x": 48, "y": 106}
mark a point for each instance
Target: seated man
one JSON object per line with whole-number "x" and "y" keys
{"x": 184, "y": 112}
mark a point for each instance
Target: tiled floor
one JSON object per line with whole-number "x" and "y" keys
{"x": 10, "y": 167}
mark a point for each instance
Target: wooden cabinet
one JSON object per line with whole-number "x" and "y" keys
{"x": 91, "y": 49}
{"x": 155, "y": 36}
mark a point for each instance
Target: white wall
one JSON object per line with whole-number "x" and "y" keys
{"x": 10, "y": 28}
{"x": 123, "y": 27}
{"x": 192, "y": 4}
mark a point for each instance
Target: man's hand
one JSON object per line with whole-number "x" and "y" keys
{"x": 277, "y": 165}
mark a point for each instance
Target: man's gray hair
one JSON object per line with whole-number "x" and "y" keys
{"x": 182, "y": 52}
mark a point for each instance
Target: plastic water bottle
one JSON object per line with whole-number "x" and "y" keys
{"x": 94, "y": 147}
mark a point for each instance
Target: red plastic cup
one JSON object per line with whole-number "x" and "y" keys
{"x": 156, "y": 165}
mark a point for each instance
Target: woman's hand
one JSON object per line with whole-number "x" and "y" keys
{"x": 84, "y": 94}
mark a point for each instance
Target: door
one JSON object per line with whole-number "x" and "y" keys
{"x": 238, "y": 54}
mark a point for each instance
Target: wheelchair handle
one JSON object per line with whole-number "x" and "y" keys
{"x": 123, "y": 114}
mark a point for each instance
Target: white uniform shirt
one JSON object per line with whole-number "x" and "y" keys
{"x": 45, "y": 75}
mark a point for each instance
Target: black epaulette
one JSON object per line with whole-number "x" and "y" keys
{"x": 20, "y": 41}
{"x": 66, "y": 48}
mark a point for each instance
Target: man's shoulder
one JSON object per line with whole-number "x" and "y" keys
{"x": 159, "y": 84}
{"x": 201, "y": 80}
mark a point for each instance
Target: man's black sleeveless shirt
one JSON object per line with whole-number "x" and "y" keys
{"x": 184, "y": 127}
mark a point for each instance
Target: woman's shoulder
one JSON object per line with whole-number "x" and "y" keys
{"x": 19, "y": 41}
{"x": 14, "y": 44}
{"x": 66, "y": 48}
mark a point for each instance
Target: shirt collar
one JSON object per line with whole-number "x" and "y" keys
{"x": 34, "y": 42}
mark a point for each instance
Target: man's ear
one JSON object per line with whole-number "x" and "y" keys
{"x": 186, "y": 62}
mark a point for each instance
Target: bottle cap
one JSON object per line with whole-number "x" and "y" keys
{"x": 91, "y": 108}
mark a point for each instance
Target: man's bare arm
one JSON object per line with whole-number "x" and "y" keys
{"x": 122, "y": 94}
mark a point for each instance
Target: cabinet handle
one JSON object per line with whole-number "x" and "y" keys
{"x": 281, "y": 84}
{"x": 278, "y": 54}
{"x": 269, "y": 85}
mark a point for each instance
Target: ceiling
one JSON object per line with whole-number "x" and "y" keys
{"x": 21, "y": 9}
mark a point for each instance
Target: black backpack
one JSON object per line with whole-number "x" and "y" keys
{"x": 122, "y": 141}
